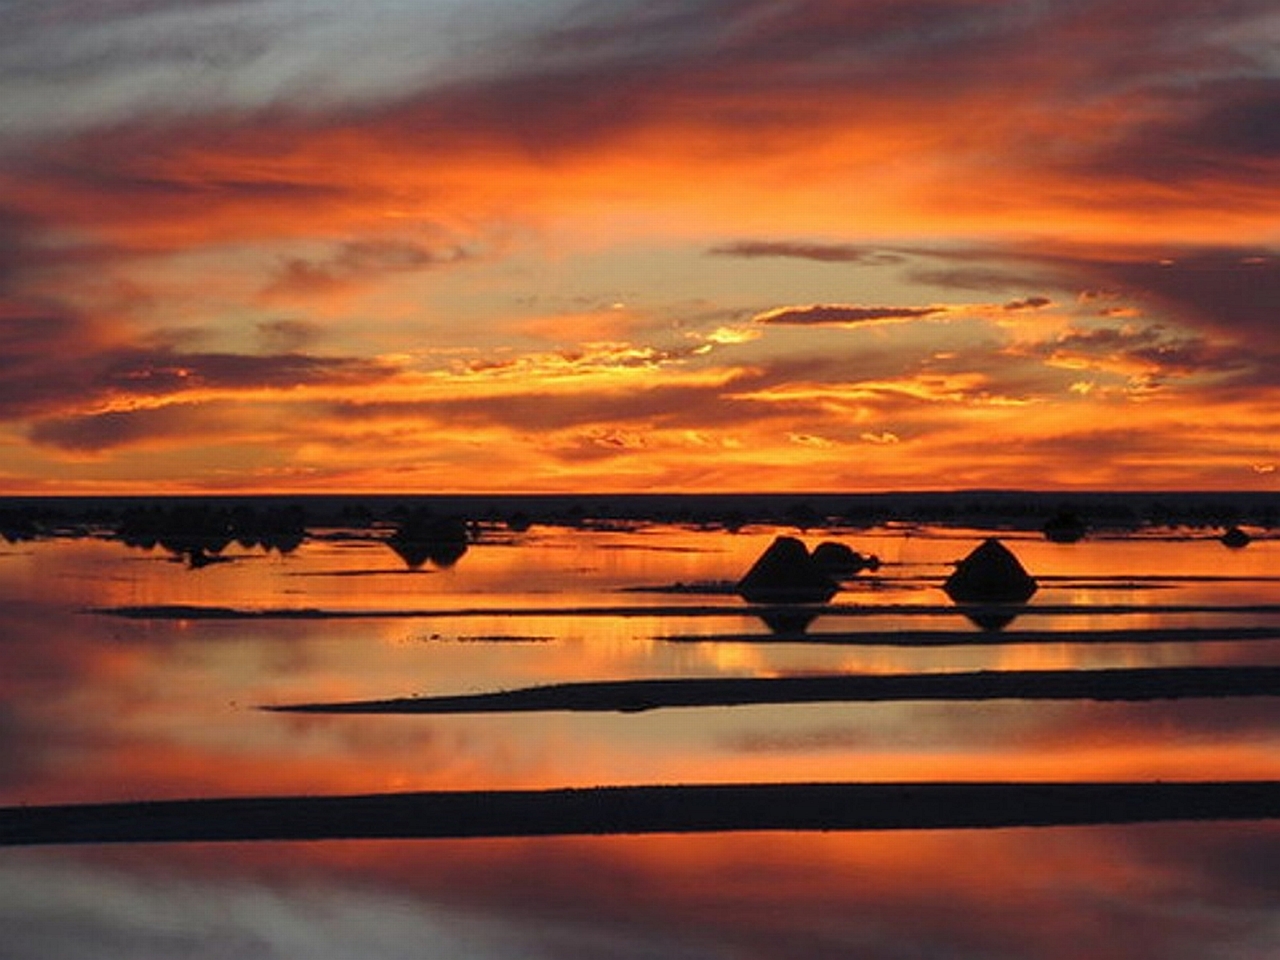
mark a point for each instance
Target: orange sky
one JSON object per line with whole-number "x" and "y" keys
{"x": 499, "y": 246}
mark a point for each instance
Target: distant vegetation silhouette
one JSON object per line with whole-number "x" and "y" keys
{"x": 423, "y": 536}
{"x": 199, "y": 532}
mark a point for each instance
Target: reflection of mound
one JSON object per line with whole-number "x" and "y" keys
{"x": 990, "y": 574}
{"x": 991, "y": 619}
{"x": 421, "y": 537}
{"x": 786, "y": 573}
{"x": 788, "y": 621}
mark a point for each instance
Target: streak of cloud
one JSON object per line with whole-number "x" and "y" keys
{"x": 843, "y": 314}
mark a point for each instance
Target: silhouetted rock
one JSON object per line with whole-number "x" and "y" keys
{"x": 990, "y": 574}
{"x": 786, "y": 573}
{"x": 840, "y": 560}
{"x": 1066, "y": 526}
{"x": 1235, "y": 538}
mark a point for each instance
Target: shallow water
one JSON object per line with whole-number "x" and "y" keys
{"x": 100, "y": 707}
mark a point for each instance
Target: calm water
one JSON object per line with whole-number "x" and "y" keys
{"x": 99, "y": 707}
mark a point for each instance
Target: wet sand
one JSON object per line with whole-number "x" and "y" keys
{"x": 641, "y": 810}
{"x": 631, "y": 696}
{"x": 974, "y": 638}
{"x": 184, "y": 611}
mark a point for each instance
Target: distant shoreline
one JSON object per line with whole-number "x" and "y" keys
{"x": 994, "y": 509}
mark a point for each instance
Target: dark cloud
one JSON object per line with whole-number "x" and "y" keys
{"x": 990, "y": 278}
{"x": 820, "y": 252}
{"x": 47, "y": 356}
{"x": 1231, "y": 292}
{"x": 360, "y": 261}
{"x": 842, "y": 315}
{"x": 125, "y": 375}
{"x": 1217, "y": 130}
{"x": 52, "y": 360}
{"x": 158, "y": 373}
{"x": 538, "y": 411}
{"x": 1028, "y": 303}
{"x": 287, "y": 335}
{"x": 116, "y": 429}
{"x": 1154, "y": 350}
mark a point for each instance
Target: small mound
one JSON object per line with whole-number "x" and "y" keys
{"x": 990, "y": 574}
{"x": 786, "y": 573}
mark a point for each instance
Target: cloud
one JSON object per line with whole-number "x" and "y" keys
{"x": 1224, "y": 128}
{"x": 1228, "y": 291}
{"x": 287, "y": 335}
{"x": 159, "y": 373}
{"x": 47, "y": 356}
{"x": 1151, "y": 352}
{"x": 358, "y": 262}
{"x": 820, "y": 252}
{"x": 82, "y": 387}
{"x": 842, "y": 314}
{"x": 118, "y": 429}
{"x": 1028, "y": 303}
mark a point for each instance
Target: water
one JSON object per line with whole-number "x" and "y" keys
{"x": 99, "y": 707}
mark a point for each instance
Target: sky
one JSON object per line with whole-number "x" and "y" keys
{"x": 549, "y": 245}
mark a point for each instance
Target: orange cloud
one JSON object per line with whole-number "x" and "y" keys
{"x": 314, "y": 260}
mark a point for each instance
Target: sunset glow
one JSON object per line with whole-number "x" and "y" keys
{"x": 819, "y": 245}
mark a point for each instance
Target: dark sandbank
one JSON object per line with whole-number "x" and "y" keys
{"x": 641, "y": 810}
{"x": 630, "y": 696}
{"x": 976, "y": 638}
{"x": 182, "y": 611}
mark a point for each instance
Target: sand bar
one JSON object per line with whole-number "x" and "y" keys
{"x": 630, "y": 696}
{"x": 641, "y": 810}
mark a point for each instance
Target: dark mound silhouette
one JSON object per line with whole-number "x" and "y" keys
{"x": 838, "y": 560}
{"x": 1065, "y": 526}
{"x": 1235, "y": 538}
{"x": 990, "y": 574}
{"x": 786, "y": 573}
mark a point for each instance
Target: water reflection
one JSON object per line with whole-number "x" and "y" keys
{"x": 97, "y": 707}
{"x": 423, "y": 536}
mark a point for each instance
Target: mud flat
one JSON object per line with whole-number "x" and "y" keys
{"x": 632, "y": 696}
{"x": 185, "y": 611}
{"x": 975, "y": 638}
{"x": 641, "y": 810}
